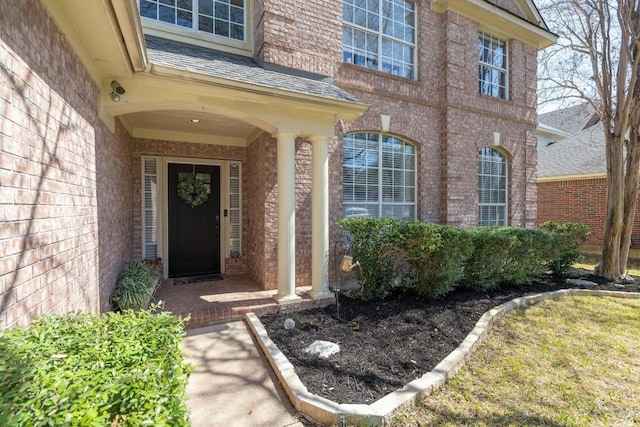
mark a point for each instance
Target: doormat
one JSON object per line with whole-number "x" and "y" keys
{"x": 197, "y": 279}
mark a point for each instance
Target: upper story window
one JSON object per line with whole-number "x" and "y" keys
{"x": 379, "y": 176}
{"x": 225, "y": 18}
{"x": 380, "y": 34}
{"x": 492, "y": 187}
{"x": 492, "y": 66}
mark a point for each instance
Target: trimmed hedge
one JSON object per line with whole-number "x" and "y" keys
{"x": 85, "y": 370}
{"x": 433, "y": 260}
{"x": 569, "y": 236}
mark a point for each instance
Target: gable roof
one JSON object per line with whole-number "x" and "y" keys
{"x": 580, "y": 154}
{"x": 236, "y": 68}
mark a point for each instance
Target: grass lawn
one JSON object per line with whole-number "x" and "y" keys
{"x": 633, "y": 267}
{"x": 573, "y": 362}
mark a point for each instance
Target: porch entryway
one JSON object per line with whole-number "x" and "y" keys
{"x": 227, "y": 299}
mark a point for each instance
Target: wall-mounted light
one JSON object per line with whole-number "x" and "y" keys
{"x": 116, "y": 91}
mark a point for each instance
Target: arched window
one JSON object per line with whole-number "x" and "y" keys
{"x": 379, "y": 176}
{"x": 492, "y": 187}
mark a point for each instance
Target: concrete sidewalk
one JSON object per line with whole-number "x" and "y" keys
{"x": 232, "y": 384}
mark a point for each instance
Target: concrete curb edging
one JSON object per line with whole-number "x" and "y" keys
{"x": 381, "y": 411}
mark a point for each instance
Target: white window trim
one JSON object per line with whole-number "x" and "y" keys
{"x": 380, "y": 36}
{"x": 506, "y": 65}
{"x": 201, "y": 38}
{"x": 505, "y": 205}
{"x": 379, "y": 204}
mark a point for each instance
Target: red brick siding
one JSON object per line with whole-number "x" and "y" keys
{"x": 114, "y": 171}
{"x": 583, "y": 201}
{"x": 257, "y": 180}
{"x": 51, "y": 207}
{"x": 302, "y": 35}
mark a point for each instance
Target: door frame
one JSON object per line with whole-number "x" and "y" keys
{"x": 224, "y": 198}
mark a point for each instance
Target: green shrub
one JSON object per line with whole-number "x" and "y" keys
{"x": 136, "y": 284}
{"x": 436, "y": 255}
{"x": 566, "y": 250}
{"x": 373, "y": 246}
{"x": 527, "y": 256}
{"x": 86, "y": 370}
{"x": 491, "y": 249}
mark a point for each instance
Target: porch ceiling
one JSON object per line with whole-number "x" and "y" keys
{"x": 175, "y": 125}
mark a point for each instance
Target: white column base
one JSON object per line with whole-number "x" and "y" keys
{"x": 283, "y": 299}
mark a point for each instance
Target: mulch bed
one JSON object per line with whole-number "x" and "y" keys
{"x": 386, "y": 344}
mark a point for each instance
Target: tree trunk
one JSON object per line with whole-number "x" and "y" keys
{"x": 611, "y": 267}
{"x": 630, "y": 193}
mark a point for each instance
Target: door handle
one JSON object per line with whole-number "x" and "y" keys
{"x": 217, "y": 225}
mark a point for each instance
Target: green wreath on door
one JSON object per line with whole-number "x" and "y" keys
{"x": 192, "y": 190}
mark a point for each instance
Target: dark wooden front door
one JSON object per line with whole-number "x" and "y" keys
{"x": 194, "y": 232}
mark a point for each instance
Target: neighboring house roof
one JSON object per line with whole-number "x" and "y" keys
{"x": 238, "y": 68}
{"x": 580, "y": 154}
{"x": 570, "y": 120}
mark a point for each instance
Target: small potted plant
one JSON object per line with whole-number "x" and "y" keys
{"x": 135, "y": 287}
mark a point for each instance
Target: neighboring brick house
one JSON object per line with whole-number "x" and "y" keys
{"x": 572, "y": 172}
{"x": 290, "y": 114}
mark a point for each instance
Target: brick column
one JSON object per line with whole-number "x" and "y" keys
{"x": 286, "y": 218}
{"x": 320, "y": 217}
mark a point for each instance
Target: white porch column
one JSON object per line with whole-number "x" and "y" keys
{"x": 320, "y": 217}
{"x": 286, "y": 217}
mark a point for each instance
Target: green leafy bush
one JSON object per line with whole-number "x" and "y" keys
{"x": 372, "y": 242}
{"x": 566, "y": 252}
{"x": 136, "y": 284}
{"x": 436, "y": 255}
{"x": 87, "y": 370}
{"x": 491, "y": 249}
{"x": 433, "y": 259}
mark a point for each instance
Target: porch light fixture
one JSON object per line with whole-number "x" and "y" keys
{"x": 195, "y": 120}
{"x": 116, "y": 91}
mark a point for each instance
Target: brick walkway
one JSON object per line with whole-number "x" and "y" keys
{"x": 227, "y": 299}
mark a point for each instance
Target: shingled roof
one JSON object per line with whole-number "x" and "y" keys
{"x": 201, "y": 60}
{"x": 570, "y": 120}
{"x": 580, "y": 154}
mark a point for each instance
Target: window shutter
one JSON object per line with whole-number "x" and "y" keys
{"x": 150, "y": 208}
{"x": 234, "y": 210}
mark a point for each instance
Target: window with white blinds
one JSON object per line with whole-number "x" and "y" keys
{"x": 378, "y": 176}
{"x": 492, "y": 187}
{"x": 235, "y": 203}
{"x": 150, "y": 208}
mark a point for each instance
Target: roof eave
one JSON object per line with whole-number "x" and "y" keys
{"x": 499, "y": 22}
{"x": 573, "y": 177}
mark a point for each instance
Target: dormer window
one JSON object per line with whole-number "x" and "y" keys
{"x": 224, "y": 18}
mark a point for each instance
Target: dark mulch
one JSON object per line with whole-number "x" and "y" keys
{"x": 386, "y": 344}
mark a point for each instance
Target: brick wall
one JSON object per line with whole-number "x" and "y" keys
{"x": 51, "y": 141}
{"x": 114, "y": 171}
{"x": 302, "y": 35}
{"x": 257, "y": 187}
{"x": 578, "y": 201}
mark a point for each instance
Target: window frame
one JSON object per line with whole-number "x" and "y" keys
{"x": 381, "y": 202}
{"x": 503, "y": 90}
{"x": 504, "y": 205}
{"x": 193, "y": 35}
{"x": 380, "y": 37}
